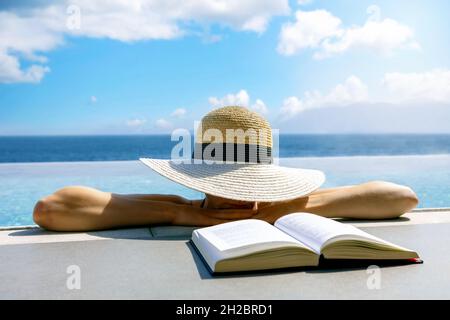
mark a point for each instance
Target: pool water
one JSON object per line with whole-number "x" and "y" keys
{"x": 22, "y": 184}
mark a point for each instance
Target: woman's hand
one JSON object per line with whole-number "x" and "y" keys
{"x": 271, "y": 211}
{"x": 194, "y": 216}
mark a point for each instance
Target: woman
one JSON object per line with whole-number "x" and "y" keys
{"x": 232, "y": 165}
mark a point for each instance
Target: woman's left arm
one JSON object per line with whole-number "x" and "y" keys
{"x": 372, "y": 200}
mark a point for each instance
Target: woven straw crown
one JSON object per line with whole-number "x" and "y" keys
{"x": 234, "y": 125}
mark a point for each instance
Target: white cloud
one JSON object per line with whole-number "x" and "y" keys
{"x": 17, "y": 41}
{"x": 304, "y": 2}
{"x": 431, "y": 86}
{"x": 308, "y": 31}
{"x": 352, "y": 91}
{"x": 256, "y": 24}
{"x": 260, "y": 107}
{"x": 242, "y": 99}
{"x": 134, "y": 123}
{"x": 28, "y": 33}
{"x": 322, "y": 31}
{"x": 291, "y": 107}
{"x": 162, "y": 19}
{"x": 10, "y": 71}
{"x": 93, "y": 99}
{"x": 163, "y": 124}
{"x": 384, "y": 37}
{"x": 398, "y": 90}
{"x": 178, "y": 113}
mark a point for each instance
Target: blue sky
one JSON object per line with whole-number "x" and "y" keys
{"x": 324, "y": 66}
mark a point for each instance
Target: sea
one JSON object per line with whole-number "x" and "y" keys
{"x": 131, "y": 147}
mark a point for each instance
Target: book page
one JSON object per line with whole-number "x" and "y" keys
{"x": 314, "y": 230}
{"x": 244, "y": 233}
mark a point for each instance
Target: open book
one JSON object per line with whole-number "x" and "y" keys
{"x": 295, "y": 240}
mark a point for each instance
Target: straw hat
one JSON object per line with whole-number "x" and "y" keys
{"x": 232, "y": 159}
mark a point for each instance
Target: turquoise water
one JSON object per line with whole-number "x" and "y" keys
{"x": 22, "y": 184}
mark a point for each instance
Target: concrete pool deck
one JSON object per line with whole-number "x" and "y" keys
{"x": 159, "y": 263}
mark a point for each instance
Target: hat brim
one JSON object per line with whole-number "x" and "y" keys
{"x": 239, "y": 181}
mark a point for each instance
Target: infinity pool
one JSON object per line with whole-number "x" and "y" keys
{"x": 21, "y": 184}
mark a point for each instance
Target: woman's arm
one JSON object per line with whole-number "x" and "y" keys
{"x": 372, "y": 200}
{"x": 158, "y": 197}
{"x": 83, "y": 209}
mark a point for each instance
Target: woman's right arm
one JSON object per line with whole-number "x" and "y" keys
{"x": 85, "y": 209}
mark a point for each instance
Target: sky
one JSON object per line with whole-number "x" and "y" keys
{"x": 151, "y": 66}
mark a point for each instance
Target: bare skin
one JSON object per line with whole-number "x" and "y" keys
{"x": 85, "y": 209}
